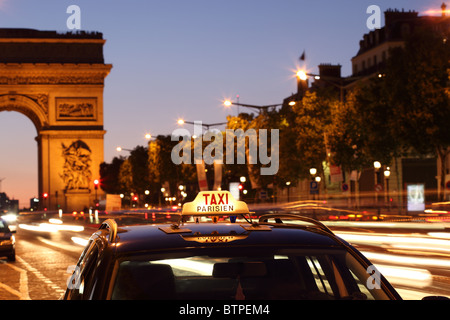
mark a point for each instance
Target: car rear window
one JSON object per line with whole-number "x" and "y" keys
{"x": 287, "y": 274}
{"x": 3, "y": 227}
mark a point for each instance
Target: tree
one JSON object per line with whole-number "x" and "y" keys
{"x": 312, "y": 118}
{"x": 417, "y": 80}
{"x": 126, "y": 176}
{"x": 377, "y": 123}
{"x": 162, "y": 170}
{"x": 109, "y": 176}
{"x": 139, "y": 169}
{"x": 346, "y": 135}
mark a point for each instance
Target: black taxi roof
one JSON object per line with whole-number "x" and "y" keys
{"x": 152, "y": 237}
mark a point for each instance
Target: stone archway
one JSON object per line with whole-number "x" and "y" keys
{"x": 57, "y": 81}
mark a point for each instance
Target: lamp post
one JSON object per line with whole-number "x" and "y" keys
{"x": 119, "y": 149}
{"x": 288, "y": 184}
{"x": 387, "y": 174}
{"x": 96, "y": 184}
{"x": 161, "y": 195}
{"x": 338, "y": 82}
{"x": 376, "y": 166}
{"x": 314, "y": 178}
{"x": 229, "y": 103}
{"x": 206, "y": 125}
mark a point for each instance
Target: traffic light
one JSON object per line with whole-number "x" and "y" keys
{"x": 96, "y": 183}
{"x": 134, "y": 201}
{"x": 44, "y": 202}
{"x": 241, "y": 187}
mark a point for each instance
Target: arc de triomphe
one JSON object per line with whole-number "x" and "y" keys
{"x": 57, "y": 81}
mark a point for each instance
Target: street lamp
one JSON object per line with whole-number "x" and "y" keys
{"x": 206, "y": 125}
{"x": 96, "y": 184}
{"x": 119, "y": 149}
{"x": 228, "y": 103}
{"x": 288, "y": 184}
{"x": 338, "y": 82}
{"x": 314, "y": 191}
{"x": 387, "y": 174}
{"x": 302, "y": 75}
{"x": 376, "y": 166}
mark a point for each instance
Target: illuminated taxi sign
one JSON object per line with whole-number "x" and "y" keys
{"x": 215, "y": 203}
{"x": 214, "y": 237}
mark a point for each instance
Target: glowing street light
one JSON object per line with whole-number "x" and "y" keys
{"x": 377, "y": 165}
{"x": 206, "y": 125}
{"x": 302, "y": 75}
{"x": 228, "y": 103}
{"x": 387, "y": 174}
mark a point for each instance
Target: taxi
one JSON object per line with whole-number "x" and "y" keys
{"x": 217, "y": 250}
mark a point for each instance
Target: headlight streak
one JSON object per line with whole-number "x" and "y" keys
{"x": 80, "y": 241}
{"x": 405, "y": 269}
{"x": 49, "y": 227}
{"x": 399, "y": 241}
{"x": 10, "y": 217}
{"x": 391, "y": 225}
{"x": 407, "y": 260}
{"x": 411, "y": 277}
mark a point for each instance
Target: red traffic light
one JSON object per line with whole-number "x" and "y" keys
{"x": 240, "y": 187}
{"x": 135, "y": 198}
{"x": 96, "y": 182}
{"x": 45, "y": 195}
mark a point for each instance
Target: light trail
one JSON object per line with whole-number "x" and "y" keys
{"x": 399, "y": 241}
{"x": 55, "y": 225}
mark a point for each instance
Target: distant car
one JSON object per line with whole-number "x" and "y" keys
{"x": 213, "y": 253}
{"x": 7, "y": 241}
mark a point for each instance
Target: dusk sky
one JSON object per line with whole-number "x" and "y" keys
{"x": 181, "y": 58}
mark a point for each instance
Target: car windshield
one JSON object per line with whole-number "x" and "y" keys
{"x": 3, "y": 227}
{"x": 287, "y": 274}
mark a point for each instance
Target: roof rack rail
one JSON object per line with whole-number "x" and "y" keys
{"x": 279, "y": 216}
{"x": 112, "y": 226}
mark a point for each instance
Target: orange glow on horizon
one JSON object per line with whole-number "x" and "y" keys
{"x": 437, "y": 11}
